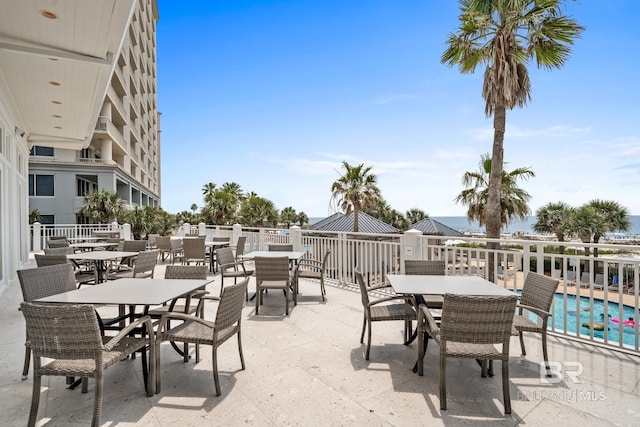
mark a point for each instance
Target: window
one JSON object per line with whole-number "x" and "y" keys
{"x": 37, "y": 150}
{"x": 41, "y": 185}
{"x": 85, "y": 186}
{"x": 48, "y": 219}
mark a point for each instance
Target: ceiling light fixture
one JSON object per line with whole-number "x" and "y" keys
{"x": 58, "y": 127}
{"x": 57, "y": 116}
{"x": 52, "y": 83}
{"x": 48, "y": 14}
{"x": 56, "y": 102}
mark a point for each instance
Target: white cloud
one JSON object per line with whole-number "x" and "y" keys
{"x": 386, "y": 99}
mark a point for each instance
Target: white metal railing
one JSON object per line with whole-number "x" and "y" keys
{"x": 593, "y": 290}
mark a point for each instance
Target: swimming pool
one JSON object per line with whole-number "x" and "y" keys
{"x": 629, "y": 332}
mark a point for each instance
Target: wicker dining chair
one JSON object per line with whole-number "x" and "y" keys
{"x": 279, "y": 247}
{"x": 143, "y": 266}
{"x": 184, "y": 303}
{"x": 312, "y": 269}
{"x": 427, "y": 268}
{"x": 273, "y": 273}
{"x": 470, "y": 328}
{"x": 43, "y": 282}
{"x": 194, "y": 250}
{"x": 70, "y": 334}
{"x": 537, "y": 296}
{"x": 228, "y": 266}
{"x": 383, "y": 309}
{"x": 163, "y": 244}
{"x": 198, "y": 331}
{"x": 83, "y": 276}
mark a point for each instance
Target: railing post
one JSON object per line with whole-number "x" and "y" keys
{"x": 261, "y": 240}
{"x": 295, "y": 237}
{"x": 186, "y": 229}
{"x": 342, "y": 255}
{"x": 37, "y": 237}
{"x": 237, "y": 232}
{"x": 202, "y": 231}
{"x": 125, "y": 232}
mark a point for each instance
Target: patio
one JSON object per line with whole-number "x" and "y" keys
{"x": 309, "y": 369}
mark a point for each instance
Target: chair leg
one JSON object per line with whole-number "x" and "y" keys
{"x": 322, "y": 290}
{"x": 240, "y": 350}
{"x": 524, "y": 351}
{"x": 443, "y": 383}
{"x": 505, "y": 386}
{"x": 420, "y": 350}
{"x": 258, "y": 296}
{"x": 27, "y": 360}
{"x": 35, "y": 398}
{"x": 544, "y": 354}
{"x": 368, "y": 341}
{"x": 286, "y": 304}
{"x": 85, "y": 384}
{"x": 364, "y": 326}
{"x": 214, "y": 361}
{"x": 157, "y": 355}
{"x": 97, "y": 402}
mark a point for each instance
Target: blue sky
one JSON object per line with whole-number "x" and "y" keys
{"x": 274, "y": 95}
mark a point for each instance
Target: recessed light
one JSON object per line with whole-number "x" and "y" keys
{"x": 58, "y": 127}
{"x": 52, "y": 83}
{"x": 57, "y": 116}
{"x": 56, "y": 102}
{"x": 48, "y": 14}
{"x": 52, "y": 59}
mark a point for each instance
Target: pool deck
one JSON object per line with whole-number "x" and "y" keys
{"x": 308, "y": 369}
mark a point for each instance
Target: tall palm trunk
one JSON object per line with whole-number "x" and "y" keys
{"x": 355, "y": 219}
{"x": 494, "y": 211}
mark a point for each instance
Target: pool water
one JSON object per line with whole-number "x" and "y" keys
{"x": 575, "y": 318}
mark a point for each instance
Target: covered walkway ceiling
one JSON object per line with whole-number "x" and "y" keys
{"x": 56, "y": 61}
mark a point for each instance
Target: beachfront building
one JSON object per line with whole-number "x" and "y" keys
{"x": 67, "y": 68}
{"x": 123, "y": 154}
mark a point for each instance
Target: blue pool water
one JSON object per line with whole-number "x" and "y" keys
{"x": 583, "y": 314}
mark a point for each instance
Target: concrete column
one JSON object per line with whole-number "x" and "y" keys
{"x": 295, "y": 237}
{"x": 106, "y": 150}
{"x": 37, "y": 237}
{"x": 105, "y": 111}
{"x": 186, "y": 229}
{"x": 202, "y": 230}
{"x": 261, "y": 244}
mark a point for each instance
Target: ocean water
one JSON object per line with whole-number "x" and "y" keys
{"x": 463, "y": 225}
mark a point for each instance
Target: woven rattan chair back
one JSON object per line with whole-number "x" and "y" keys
{"x": 425, "y": 267}
{"x": 538, "y": 291}
{"x": 46, "y": 260}
{"x": 59, "y": 243}
{"x": 229, "y": 311}
{"x": 225, "y": 258}
{"x": 242, "y": 240}
{"x": 477, "y": 319}
{"x": 145, "y": 263}
{"x": 194, "y": 250}
{"x": 46, "y": 281}
{"x": 280, "y": 248}
{"x": 134, "y": 245}
{"x": 58, "y": 251}
{"x": 271, "y": 269}
{"x": 194, "y": 272}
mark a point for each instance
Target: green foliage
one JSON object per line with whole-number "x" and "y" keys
{"x": 356, "y": 190}
{"x": 35, "y": 216}
{"x": 288, "y": 215}
{"x": 103, "y": 206}
{"x": 149, "y": 220}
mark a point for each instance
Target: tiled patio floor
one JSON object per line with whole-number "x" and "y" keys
{"x": 308, "y": 369}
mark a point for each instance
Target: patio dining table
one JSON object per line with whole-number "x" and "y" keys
{"x": 92, "y": 245}
{"x": 100, "y": 259}
{"x": 419, "y": 285}
{"x": 129, "y": 292}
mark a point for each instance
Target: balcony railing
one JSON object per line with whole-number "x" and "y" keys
{"x": 601, "y": 292}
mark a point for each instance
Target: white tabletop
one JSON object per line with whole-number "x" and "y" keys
{"x": 217, "y": 244}
{"x": 128, "y": 292}
{"x": 440, "y": 285}
{"x": 101, "y": 255}
{"x": 295, "y": 255}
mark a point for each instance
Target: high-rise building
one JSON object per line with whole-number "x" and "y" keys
{"x": 123, "y": 154}
{"x": 78, "y": 90}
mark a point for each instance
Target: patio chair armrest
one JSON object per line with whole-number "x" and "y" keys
{"x": 377, "y": 287}
{"x": 407, "y": 298}
{"x": 425, "y": 314}
{"x": 176, "y": 315}
{"x": 144, "y": 320}
{"x": 534, "y": 310}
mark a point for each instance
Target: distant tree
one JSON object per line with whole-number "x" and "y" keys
{"x": 505, "y": 36}
{"x": 397, "y": 219}
{"x": 584, "y": 223}
{"x": 221, "y": 207}
{"x": 235, "y": 191}
{"x": 208, "y": 189}
{"x": 288, "y": 215}
{"x": 257, "y": 211}
{"x": 194, "y": 208}
{"x": 514, "y": 200}
{"x": 35, "y": 216}
{"x": 103, "y": 206}
{"x": 554, "y": 218}
{"x": 147, "y": 220}
{"x": 416, "y": 215}
{"x": 302, "y": 219}
{"x": 613, "y": 217}
{"x": 356, "y": 190}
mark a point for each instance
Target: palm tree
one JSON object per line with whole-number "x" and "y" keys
{"x": 514, "y": 200}
{"x": 553, "y": 218}
{"x": 415, "y": 215}
{"x": 302, "y": 219}
{"x": 221, "y": 206}
{"x": 234, "y": 189}
{"x": 208, "y": 189}
{"x": 356, "y": 190}
{"x": 103, "y": 206}
{"x": 194, "y": 208}
{"x": 505, "y": 36}
{"x": 257, "y": 211}
{"x": 613, "y": 216}
{"x": 35, "y": 216}
{"x": 584, "y": 223}
{"x": 288, "y": 215}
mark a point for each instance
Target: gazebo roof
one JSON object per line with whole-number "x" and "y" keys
{"x": 432, "y": 227}
{"x": 344, "y": 223}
